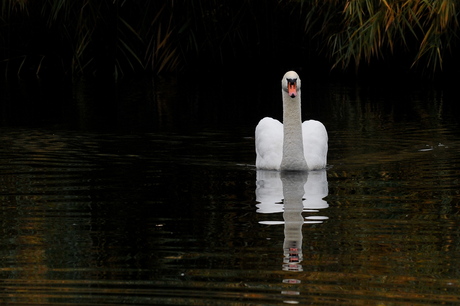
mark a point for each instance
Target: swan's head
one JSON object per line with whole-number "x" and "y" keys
{"x": 291, "y": 83}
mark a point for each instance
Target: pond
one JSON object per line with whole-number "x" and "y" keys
{"x": 145, "y": 192}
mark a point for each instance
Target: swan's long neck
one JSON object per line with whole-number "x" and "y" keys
{"x": 293, "y": 156}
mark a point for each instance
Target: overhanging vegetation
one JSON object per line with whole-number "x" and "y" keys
{"x": 161, "y": 36}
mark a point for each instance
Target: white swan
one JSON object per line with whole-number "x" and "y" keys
{"x": 305, "y": 144}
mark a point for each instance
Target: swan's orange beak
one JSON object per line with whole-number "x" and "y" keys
{"x": 292, "y": 89}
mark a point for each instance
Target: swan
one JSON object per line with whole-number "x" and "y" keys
{"x": 294, "y": 146}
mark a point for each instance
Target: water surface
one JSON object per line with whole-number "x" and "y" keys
{"x": 134, "y": 194}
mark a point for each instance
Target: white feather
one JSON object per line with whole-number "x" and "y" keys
{"x": 269, "y": 137}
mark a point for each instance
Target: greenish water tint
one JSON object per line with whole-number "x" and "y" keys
{"x": 153, "y": 204}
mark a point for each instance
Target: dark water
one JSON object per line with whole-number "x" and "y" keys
{"x": 145, "y": 192}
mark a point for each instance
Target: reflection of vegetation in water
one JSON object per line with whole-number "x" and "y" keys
{"x": 161, "y": 36}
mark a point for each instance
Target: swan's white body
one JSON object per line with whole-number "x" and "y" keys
{"x": 296, "y": 146}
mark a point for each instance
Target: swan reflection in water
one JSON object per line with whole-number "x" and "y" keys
{"x": 292, "y": 193}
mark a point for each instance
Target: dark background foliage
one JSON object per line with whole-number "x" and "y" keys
{"x": 115, "y": 37}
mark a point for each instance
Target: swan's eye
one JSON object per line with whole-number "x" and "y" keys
{"x": 291, "y": 81}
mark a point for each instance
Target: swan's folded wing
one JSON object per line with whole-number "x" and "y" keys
{"x": 315, "y": 144}
{"x": 269, "y": 144}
